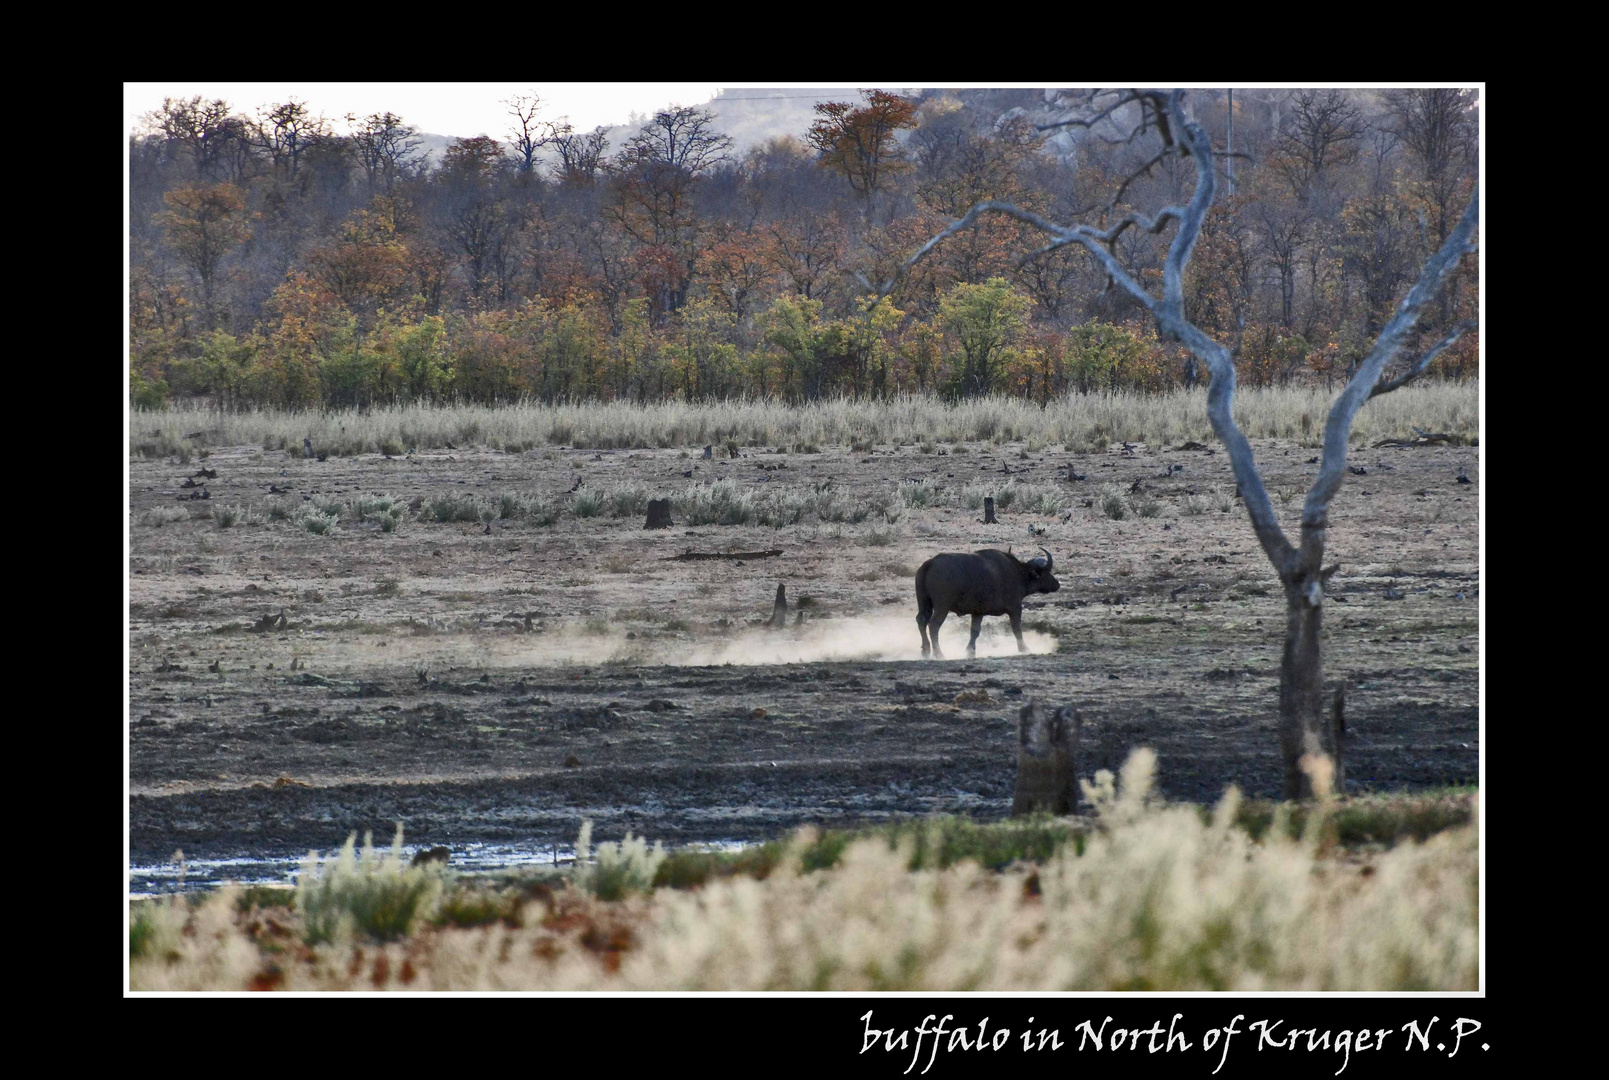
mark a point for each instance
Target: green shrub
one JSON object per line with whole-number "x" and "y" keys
{"x": 379, "y": 896}
{"x": 619, "y": 869}
{"x": 720, "y": 503}
{"x": 917, "y": 493}
{"x": 381, "y": 506}
{"x": 318, "y": 523}
{"x": 447, "y": 508}
{"x": 533, "y": 508}
{"x": 1112, "y": 504}
{"x": 629, "y": 499}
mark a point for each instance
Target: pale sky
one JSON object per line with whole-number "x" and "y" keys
{"x": 454, "y": 109}
{"x": 465, "y": 109}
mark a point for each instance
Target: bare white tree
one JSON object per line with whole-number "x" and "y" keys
{"x": 1303, "y": 730}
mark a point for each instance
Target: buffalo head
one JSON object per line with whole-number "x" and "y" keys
{"x": 1037, "y": 576}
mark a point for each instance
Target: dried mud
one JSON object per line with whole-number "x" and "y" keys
{"x": 648, "y": 695}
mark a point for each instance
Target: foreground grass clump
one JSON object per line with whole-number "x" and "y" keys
{"x": 378, "y": 896}
{"x": 1141, "y": 896}
{"x": 620, "y": 869}
{"x": 932, "y": 843}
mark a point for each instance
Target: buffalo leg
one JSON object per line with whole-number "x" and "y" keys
{"x": 933, "y": 625}
{"x": 977, "y": 624}
{"x": 921, "y": 624}
{"x": 1016, "y": 628}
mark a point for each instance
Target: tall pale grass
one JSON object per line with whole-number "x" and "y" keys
{"x": 1160, "y": 899}
{"x": 1079, "y": 421}
{"x": 378, "y": 895}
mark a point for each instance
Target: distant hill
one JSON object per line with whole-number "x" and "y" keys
{"x": 752, "y": 116}
{"x": 435, "y": 146}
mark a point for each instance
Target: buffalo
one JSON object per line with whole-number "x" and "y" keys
{"x": 983, "y": 583}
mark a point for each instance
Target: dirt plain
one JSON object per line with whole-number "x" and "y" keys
{"x": 647, "y": 694}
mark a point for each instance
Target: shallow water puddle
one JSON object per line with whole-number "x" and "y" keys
{"x": 195, "y": 875}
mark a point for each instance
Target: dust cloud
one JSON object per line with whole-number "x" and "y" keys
{"x": 885, "y": 637}
{"x": 825, "y": 640}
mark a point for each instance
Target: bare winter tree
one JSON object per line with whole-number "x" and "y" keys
{"x": 681, "y": 137}
{"x": 526, "y": 135}
{"x": 385, "y": 147}
{"x": 1323, "y": 129}
{"x": 285, "y": 131}
{"x": 580, "y": 153}
{"x": 1305, "y": 734}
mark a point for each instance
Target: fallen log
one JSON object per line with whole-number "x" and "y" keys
{"x": 689, "y": 556}
{"x": 1422, "y": 438}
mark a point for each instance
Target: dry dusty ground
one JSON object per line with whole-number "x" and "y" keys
{"x": 418, "y": 696}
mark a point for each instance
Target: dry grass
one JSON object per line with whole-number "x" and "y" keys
{"x": 1156, "y": 897}
{"x": 1080, "y": 422}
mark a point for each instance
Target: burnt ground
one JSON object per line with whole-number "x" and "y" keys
{"x": 418, "y": 695}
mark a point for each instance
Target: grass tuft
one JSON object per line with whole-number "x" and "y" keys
{"x": 361, "y": 893}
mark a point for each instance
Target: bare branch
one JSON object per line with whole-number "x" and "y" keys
{"x": 1097, "y": 241}
{"x": 1175, "y": 130}
{"x": 1135, "y": 175}
{"x": 1132, "y": 95}
{"x": 1195, "y": 140}
{"x": 1171, "y": 322}
{"x": 1418, "y": 367}
{"x": 1153, "y": 226}
{"x": 1364, "y": 383}
{"x": 1054, "y": 245}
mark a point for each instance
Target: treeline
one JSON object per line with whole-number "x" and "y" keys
{"x": 274, "y": 261}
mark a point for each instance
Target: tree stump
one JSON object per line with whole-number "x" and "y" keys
{"x": 658, "y": 514}
{"x": 779, "y": 613}
{"x": 988, "y": 510}
{"x": 1047, "y": 768}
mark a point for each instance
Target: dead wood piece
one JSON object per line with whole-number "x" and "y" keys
{"x": 268, "y": 623}
{"x": 689, "y": 556}
{"x": 779, "y": 612}
{"x": 1047, "y": 766}
{"x": 658, "y": 514}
